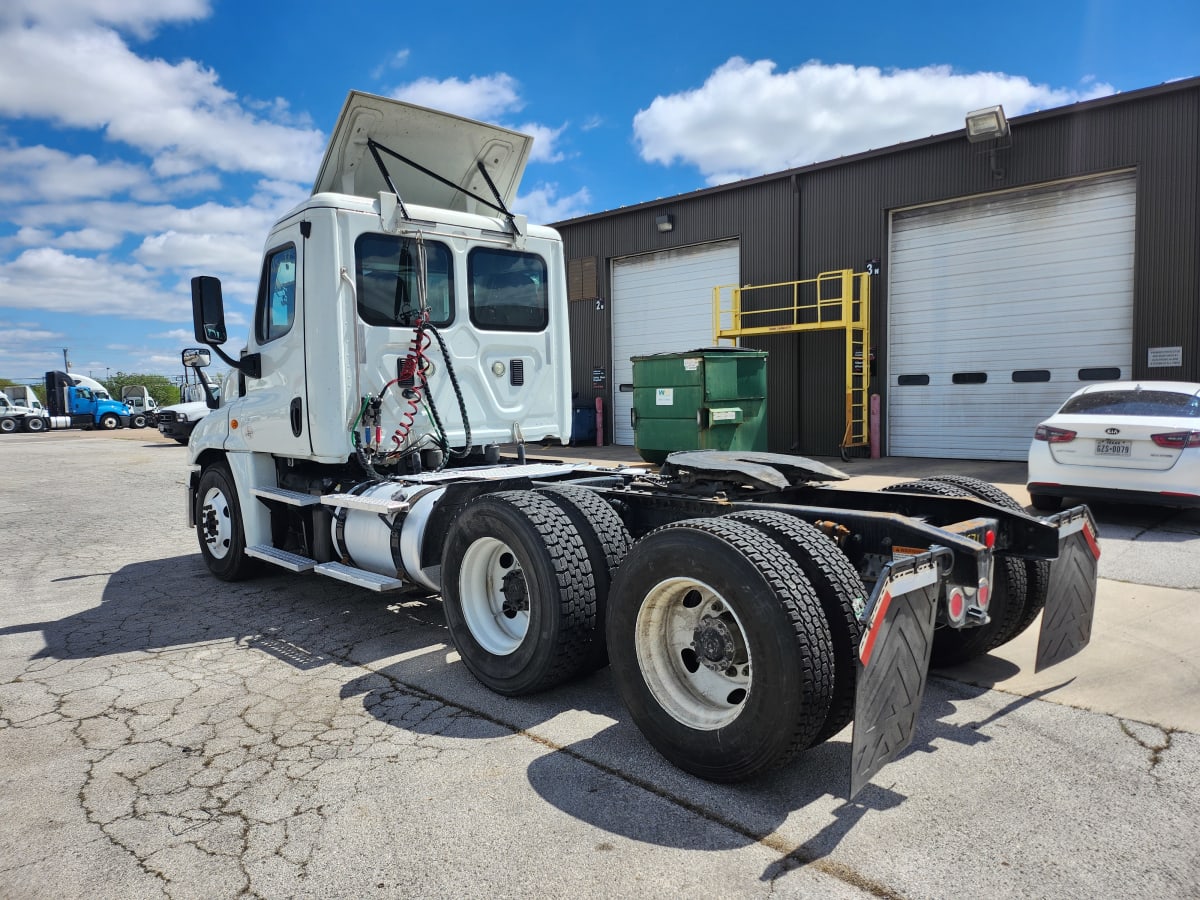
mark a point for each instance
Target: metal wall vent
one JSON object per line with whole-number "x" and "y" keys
{"x": 516, "y": 372}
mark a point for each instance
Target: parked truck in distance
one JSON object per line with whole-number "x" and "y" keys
{"x": 25, "y": 395}
{"x": 179, "y": 420}
{"x": 13, "y": 416}
{"x": 141, "y": 405}
{"x": 82, "y": 405}
{"x": 407, "y": 324}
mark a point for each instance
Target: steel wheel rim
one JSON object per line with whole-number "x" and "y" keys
{"x": 674, "y": 639}
{"x": 496, "y": 623}
{"x": 216, "y": 524}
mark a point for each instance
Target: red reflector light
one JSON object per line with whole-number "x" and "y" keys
{"x": 1177, "y": 440}
{"x": 989, "y": 539}
{"x": 984, "y": 596}
{"x": 1053, "y": 435}
{"x": 957, "y": 605}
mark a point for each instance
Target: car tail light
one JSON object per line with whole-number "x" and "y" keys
{"x": 1052, "y": 435}
{"x": 1177, "y": 440}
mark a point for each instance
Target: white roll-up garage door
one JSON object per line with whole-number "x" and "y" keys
{"x": 1001, "y": 306}
{"x": 662, "y": 303}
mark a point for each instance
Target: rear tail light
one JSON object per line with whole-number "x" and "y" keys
{"x": 984, "y": 595}
{"x": 956, "y": 606}
{"x": 1052, "y": 435}
{"x": 1177, "y": 440}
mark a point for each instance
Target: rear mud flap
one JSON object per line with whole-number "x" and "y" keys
{"x": 1071, "y": 596}
{"x": 893, "y": 662}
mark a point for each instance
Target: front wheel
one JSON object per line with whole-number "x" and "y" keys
{"x": 110, "y": 422}
{"x": 35, "y": 424}
{"x": 519, "y": 592}
{"x": 719, "y": 648}
{"x": 219, "y": 526}
{"x": 137, "y": 420}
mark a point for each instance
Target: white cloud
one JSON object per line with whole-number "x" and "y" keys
{"x": 397, "y": 60}
{"x": 543, "y": 205}
{"x": 748, "y": 119}
{"x": 175, "y": 334}
{"x": 88, "y": 78}
{"x": 199, "y": 252}
{"x": 50, "y": 280}
{"x": 481, "y": 97}
{"x": 18, "y": 337}
{"x": 137, "y": 15}
{"x": 86, "y": 239}
{"x": 42, "y": 173}
{"x": 544, "y": 140}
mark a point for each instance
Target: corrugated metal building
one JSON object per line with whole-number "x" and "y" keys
{"x": 1009, "y": 273}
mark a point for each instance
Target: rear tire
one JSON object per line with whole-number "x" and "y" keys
{"x": 607, "y": 542}
{"x": 219, "y": 526}
{"x": 842, "y": 596}
{"x": 720, "y": 649}
{"x": 519, "y": 592}
{"x": 1009, "y": 594}
{"x": 8, "y": 425}
{"x": 1037, "y": 571}
{"x": 1045, "y": 503}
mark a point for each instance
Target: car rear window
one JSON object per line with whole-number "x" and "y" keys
{"x": 1135, "y": 403}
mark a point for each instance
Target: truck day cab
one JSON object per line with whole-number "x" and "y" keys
{"x": 407, "y": 324}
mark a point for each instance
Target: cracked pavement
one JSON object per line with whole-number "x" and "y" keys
{"x": 163, "y": 734}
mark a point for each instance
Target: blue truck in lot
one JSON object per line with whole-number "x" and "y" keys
{"x": 77, "y": 406}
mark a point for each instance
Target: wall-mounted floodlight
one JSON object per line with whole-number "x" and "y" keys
{"x": 987, "y": 124}
{"x": 664, "y": 223}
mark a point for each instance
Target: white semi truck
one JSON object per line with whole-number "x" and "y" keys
{"x": 407, "y": 324}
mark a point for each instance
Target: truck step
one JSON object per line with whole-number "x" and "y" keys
{"x": 291, "y": 498}
{"x": 293, "y": 561}
{"x": 360, "y": 577}
{"x": 370, "y": 504}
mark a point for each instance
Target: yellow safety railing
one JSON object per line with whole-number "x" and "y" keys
{"x": 833, "y": 300}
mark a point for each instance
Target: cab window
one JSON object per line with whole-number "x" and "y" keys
{"x": 507, "y": 290}
{"x": 277, "y": 296}
{"x": 386, "y": 277}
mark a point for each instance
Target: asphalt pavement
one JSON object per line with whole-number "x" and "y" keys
{"x": 166, "y": 734}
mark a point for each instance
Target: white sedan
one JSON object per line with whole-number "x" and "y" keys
{"x": 1135, "y": 441}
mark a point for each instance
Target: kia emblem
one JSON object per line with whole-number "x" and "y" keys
{"x": 1112, "y": 430}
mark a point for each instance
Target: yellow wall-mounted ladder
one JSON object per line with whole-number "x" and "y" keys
{"x": 832, "y": 300}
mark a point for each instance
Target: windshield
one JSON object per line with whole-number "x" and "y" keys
{"x": 1162, "y": 404}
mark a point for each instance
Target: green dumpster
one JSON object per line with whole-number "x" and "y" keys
{"x": 709, "y": 399}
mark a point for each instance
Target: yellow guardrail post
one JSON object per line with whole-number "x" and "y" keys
{"x": 852, "y": 304}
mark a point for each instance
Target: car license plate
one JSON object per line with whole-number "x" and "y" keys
{"x": 1113, "y": 448}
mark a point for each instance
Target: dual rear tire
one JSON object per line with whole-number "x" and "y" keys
{"x": 720, "y": 630}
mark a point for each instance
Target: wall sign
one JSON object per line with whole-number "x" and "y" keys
{"x": 1164, "y": 357}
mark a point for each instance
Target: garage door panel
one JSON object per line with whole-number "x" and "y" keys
{"x": 1035, "y": 282}
{"x": 662, "y": 303}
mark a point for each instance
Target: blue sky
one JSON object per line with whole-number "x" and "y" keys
{"x": 146, "y": 141}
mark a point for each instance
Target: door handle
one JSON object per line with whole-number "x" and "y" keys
{"x": 297, "y": 416}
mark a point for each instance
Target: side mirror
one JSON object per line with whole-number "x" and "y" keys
{"x": 208, "y": 310}
{"x": 196, "y": 358}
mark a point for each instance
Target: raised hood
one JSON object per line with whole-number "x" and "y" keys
{"x": 446, "y": 144}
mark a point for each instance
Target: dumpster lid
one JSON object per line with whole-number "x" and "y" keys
{"x": 699, "y": 351}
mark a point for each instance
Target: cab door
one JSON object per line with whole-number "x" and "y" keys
{"x": 273, "y": 417}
